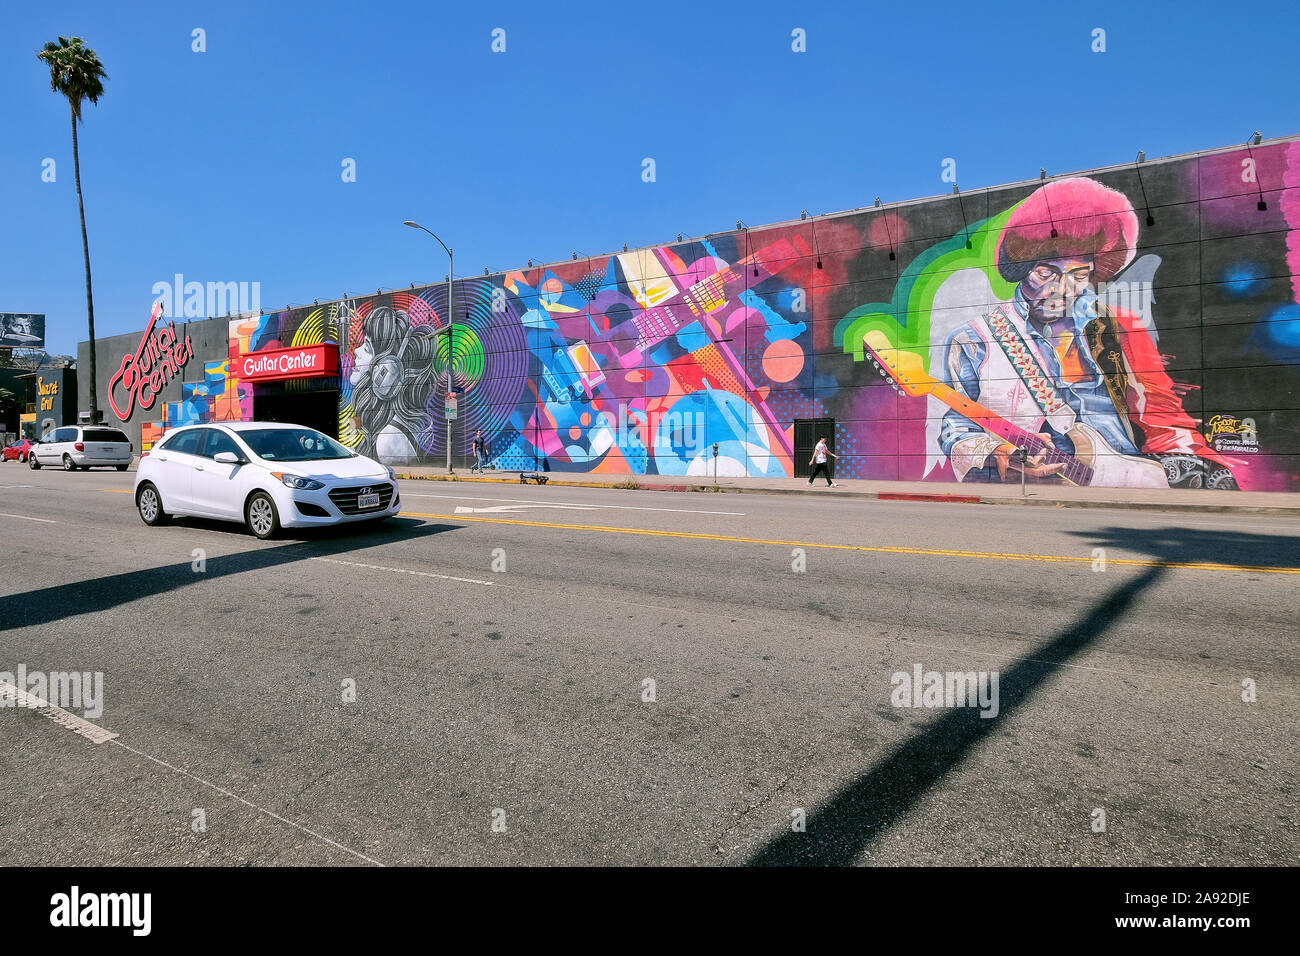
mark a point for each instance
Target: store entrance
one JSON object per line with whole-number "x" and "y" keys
{"x": 318, "y": 410}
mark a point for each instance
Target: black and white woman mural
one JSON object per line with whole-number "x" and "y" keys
{"x": 391, "y": 378}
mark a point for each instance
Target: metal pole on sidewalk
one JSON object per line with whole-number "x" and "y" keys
{"x": 451, "y": 312}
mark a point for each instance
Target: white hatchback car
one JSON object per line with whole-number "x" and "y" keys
{"x": 83, "y": 446}
{"x": 264, "y": 474}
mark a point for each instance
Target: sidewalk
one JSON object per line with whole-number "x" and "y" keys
{"x": 1059, "y": 496}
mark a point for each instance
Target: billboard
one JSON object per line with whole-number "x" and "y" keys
{"x": 22, "y": 330}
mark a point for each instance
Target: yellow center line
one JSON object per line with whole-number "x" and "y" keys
{"x": 879, "y": 549}
{"x": 117, "y": 491}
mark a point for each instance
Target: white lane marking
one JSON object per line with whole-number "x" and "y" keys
{"x": 528, "y": 501}
{"x": 14, "y": 486}
{"x": 98, "y": 735}
{"x": 12, "y": 696}
{"x": 462, "y": 510}
{"x": 419, "y": 574}
{"x": 4, "y": 514}
{"x": 235, "y": 796}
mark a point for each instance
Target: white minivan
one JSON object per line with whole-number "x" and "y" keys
{"x": 83, "y": 446}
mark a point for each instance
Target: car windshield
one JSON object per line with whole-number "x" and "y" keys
{"x": 293, "y": 444}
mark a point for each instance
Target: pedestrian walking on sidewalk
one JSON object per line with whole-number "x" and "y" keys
{"x": 480, "y": 453}
{"x": 823, "y": 467}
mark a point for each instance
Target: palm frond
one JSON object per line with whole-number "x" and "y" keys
{"x": 75, "y": 71}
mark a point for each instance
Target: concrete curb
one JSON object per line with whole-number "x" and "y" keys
{"x": 937, "y": 497}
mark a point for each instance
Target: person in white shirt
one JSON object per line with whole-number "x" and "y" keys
{"x": 820, "y": 461}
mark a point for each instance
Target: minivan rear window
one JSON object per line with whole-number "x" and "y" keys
{"x": 103, "y": 434}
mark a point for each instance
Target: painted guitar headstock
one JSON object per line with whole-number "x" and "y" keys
{"x": 904, "y": 370}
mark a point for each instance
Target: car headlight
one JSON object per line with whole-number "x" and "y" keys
{"x": 297, "y": 482}
{"x": 391, "y": 474}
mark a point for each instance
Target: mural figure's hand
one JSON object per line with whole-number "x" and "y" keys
{"x": 1009, "y": 468}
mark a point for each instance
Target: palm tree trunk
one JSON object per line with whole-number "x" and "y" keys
{"x": 90, "y": 301}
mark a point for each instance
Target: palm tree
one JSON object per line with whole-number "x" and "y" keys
{"x": 75, "y": 72}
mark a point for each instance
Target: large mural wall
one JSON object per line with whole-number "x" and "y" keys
{"x": 1134, "y": 326}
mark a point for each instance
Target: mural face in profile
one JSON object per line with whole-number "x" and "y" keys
{"x": 391, "y": 379}
{"x": 1137, "y": 327}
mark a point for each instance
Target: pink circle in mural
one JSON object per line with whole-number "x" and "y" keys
{"x": 783, "y": 360}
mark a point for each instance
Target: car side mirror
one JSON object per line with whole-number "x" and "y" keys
{"x": 228, "y": 458}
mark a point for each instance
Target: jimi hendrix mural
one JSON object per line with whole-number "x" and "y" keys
{"x": 1137, "y": 326}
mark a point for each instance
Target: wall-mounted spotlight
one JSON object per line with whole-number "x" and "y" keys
{"x": 486, "y": 272}
{"x": 803, "y": 214}
{"x": 679, "y": 237}
{"x": 1042, "y": 172}
{"x": 1257, "y": 138}
{"x": 877, "y": 200}
{"x": 1142, "y": 156}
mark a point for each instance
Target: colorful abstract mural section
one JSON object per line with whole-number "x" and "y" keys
{"x": 218, "y": 398}
{"x": 1135, "y": 327}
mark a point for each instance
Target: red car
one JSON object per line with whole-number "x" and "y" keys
{"x": 17, "y": 451}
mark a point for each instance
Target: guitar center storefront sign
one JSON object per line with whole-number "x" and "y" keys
{"x": 276, "y": 364}
{"x": 143, "y": 373}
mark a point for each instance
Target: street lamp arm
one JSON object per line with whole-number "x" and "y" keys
{"x": 416, "y": 225}
{"x": 451, "y": 311}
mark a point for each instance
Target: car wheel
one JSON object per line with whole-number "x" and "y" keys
{"x": 149, "y": 503}
{"x": 32, "y": 463}
{"x": 69, "y": 464}
{"x": 261, "y": 516}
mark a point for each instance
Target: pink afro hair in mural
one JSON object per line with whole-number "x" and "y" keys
{"x": 1070, "y": 218}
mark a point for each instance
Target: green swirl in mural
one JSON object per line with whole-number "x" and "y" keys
{"x": 917, "y": 285}
{"x": 468, "y": 360}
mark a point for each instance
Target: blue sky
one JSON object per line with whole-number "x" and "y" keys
{"x": 225, "y": 165}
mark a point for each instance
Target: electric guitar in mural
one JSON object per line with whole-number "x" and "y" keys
{"x": 666, "y": 319}
{"x": 1094, "y": 461}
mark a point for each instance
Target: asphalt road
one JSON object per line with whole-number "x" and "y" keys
{"x": 501, "y": 714}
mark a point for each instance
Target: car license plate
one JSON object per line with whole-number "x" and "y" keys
{"x": 367, "y": 501}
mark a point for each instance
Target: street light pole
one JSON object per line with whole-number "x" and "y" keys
{"x": 451, "y": 312}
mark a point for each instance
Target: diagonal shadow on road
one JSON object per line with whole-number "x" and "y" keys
{"x": 51, "y": 604}
{"x": 860, "y": 812}
{"x": 841, "y": 828}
